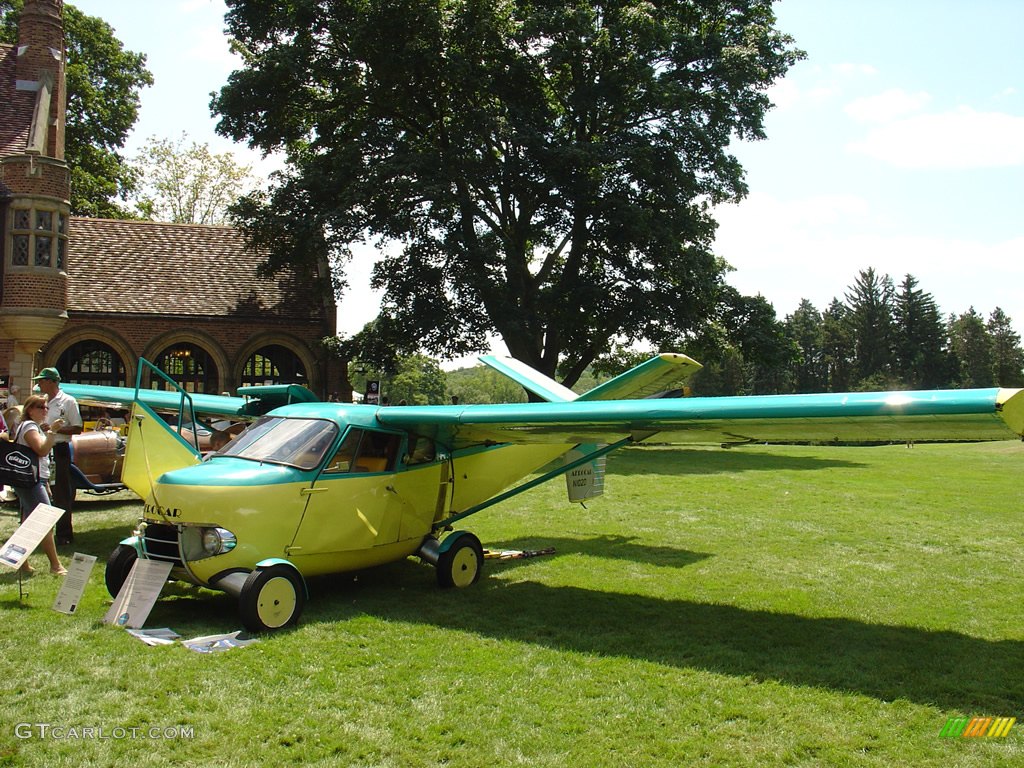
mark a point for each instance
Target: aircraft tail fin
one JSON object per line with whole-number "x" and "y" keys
{"x": 662, "y": 373}
{"x": 533, "y": 381}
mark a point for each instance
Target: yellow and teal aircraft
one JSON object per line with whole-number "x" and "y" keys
{"x": 311, "y": 488}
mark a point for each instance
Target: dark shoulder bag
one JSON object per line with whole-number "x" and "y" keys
{"x": 19, "y": 465}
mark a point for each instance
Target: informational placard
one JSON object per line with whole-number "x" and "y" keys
{"x": 71, "y": 591}
{"x": 24, "y": 541}
{"x": 138, "y": 593}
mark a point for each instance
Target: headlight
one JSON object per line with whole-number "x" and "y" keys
{"x": 217, "y": 541}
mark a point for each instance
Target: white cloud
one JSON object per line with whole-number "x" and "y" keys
{"x": 812, "y": 248}
{"x": 784, "y": 93}
{"x": 960, "y": 139}
{"x": 886, "y": 106}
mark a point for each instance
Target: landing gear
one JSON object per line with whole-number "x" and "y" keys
{"x": 460, "y": 564}
{"x": 271, "y": 598}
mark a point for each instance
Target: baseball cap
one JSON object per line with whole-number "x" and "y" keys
{"x": 50, "y": 374}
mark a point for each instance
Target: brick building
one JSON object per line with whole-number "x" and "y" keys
{"x": 91, "y": 296}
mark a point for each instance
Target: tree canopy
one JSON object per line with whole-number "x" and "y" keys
{"x": 547, "y": 168}
{"x": 103, "y": 84}
{"x": 185, "y": 184}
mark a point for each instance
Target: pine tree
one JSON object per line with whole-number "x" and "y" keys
{"x": 805, "y": 329}
{"x": 838, "y": 346}
{"x": 1007, "y": 354}
{"x": 971, "y": 348}
{"x": 870, "y": 302}
{"x": 919, "y": 337}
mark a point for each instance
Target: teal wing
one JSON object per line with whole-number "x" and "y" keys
{"x": 157, "y": 399}
{"x": 979, "y": 414}
{"x": 252, "y": 402}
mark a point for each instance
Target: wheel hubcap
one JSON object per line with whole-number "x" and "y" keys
{"x": 276, "y": 603}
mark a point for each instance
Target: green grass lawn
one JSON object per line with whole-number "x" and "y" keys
{"x": 750, "y": 607}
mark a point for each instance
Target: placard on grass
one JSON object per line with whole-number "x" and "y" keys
{"x": 757, "y": 606}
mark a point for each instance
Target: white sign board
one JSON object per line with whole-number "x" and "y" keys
{"x": 138, "y": 593}
{"x": 71, "y": 591}
{"x": 29, "y": 534}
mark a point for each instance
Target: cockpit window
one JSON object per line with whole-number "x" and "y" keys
{"x": 298, "y": 443}
{"x": 365, "y": 450}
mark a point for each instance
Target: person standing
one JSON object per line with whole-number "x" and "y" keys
{"x": 64, "y": 407}
{"x": 35, "y": 434}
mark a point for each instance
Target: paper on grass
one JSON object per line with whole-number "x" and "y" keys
{"x": 163, "y": 636}
{"x": 216, "y": 643}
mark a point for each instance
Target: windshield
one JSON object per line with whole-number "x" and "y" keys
{"x": 299, "y": 443}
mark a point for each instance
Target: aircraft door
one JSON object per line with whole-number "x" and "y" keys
{"x": 351, "y": 504}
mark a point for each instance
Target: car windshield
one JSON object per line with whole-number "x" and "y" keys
{"x": 298, "y": 443}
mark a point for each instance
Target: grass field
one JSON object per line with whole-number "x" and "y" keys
{"x": 760, "y": 606}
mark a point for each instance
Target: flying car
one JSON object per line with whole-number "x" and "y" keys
{"x": 312, "y": 488}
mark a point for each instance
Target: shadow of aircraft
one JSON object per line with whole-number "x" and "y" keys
{"x": 608, "y": 546}
{"x": 942, "y": 668}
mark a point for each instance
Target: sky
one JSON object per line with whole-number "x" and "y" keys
{"x": 897, "y": 144}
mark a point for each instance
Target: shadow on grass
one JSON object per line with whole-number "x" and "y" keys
{"x": 676, "y": 461}
{"x": 947, "y": 669}
{"x": 608, "y": 546}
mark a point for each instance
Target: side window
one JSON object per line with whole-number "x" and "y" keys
{"x": 378, "y": 452}
{"x": 421, "y": 450}
{"x": 365, "y": 451}
{"x": 341, "y": 461}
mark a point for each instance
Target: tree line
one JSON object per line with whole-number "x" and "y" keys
{"x": 879, "y": 336}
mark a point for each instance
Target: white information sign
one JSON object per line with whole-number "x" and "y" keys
{"x": 138, "y": 593}
{"x": 29, "y": 534}
{"x": 71, "y": 591}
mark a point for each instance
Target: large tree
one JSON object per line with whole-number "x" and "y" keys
{"x": 547, "y": 168}
{"x": 103, "y": 84}
{"x": 186, "y": 183}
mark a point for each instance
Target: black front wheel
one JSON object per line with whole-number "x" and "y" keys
{"x": 119, "y": 565}
{"x": 271, "y": 598}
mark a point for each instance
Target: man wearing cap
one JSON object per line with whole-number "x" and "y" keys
{"x": 61, "y": 405}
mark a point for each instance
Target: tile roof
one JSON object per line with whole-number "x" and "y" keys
{"x": 148, "y": 267}
{"x": 16, "y": 107}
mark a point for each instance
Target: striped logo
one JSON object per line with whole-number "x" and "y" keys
{"x": 977, "y": 727}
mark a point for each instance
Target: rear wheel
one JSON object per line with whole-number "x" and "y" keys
{"x": 271, "y": 598}
{"x": 461, "y": 564}
{"x": 119, "y": 565}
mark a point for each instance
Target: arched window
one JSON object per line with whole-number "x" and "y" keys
{"x": 189, "y": 365}
{"x": 273, "y": 364}
{"x": 92, "y": 362}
